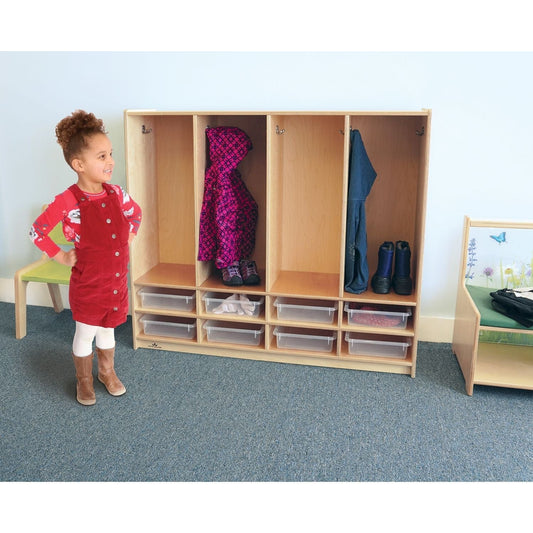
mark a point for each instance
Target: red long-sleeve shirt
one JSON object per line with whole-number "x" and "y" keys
{"x": 65, "y": 209}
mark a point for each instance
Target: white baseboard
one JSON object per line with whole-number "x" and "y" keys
{"x": 435, "y": 329}
{"x": 431, "y": 329}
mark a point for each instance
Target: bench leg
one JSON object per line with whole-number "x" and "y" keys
{"x": 20, "y": 307}
{"x": 55, "y": 294}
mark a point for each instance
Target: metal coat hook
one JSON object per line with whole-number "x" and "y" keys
{"x": 278, "y": 131}
{"x": 144, "y": 130}
{"x": 420, "y": 132}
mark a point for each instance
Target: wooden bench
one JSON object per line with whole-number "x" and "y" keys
{"x": 44, "y": 270}
{"x": 491, "y": 348}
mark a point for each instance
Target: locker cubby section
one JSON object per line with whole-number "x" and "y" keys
{"x": 253, "y": 169}
{"x": 305, "y": 204}
{"x": 298, "y": 173}
{"x": 160, "y": 162}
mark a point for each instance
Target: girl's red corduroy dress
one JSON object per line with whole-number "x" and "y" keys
{"x": 98, "y": 292}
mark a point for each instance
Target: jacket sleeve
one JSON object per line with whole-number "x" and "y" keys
{"x": 132, "y": 211}
{"x": 44, "y": 224}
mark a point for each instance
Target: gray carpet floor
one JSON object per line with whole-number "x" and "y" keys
{"x": 189, "y": 417}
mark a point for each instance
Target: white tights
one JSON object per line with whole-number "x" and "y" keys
{"x": 82, "y": 345}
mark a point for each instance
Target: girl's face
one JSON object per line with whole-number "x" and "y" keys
{"x": 94, "y": 165}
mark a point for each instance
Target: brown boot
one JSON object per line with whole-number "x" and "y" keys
{"x": 84, "y": 375}
{"x": 106, "y": 372}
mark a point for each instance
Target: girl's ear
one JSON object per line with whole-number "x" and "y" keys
{"x": 77, "y": 165}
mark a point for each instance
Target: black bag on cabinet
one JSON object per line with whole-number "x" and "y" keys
{"x": 515, "y": 303}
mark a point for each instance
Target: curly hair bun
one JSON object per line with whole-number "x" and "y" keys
{"x": 73, "y": 131}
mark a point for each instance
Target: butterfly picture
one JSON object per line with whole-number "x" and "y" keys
{"x": 499, "y": 238}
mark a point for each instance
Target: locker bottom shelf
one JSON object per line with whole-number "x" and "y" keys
{"x": 277, "y": 355}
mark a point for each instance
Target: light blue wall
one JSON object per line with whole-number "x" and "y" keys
{"x": 481, "y": 140}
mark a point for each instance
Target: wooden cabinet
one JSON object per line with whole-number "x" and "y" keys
{"x": 298, "y": 173}
{"x": 492, "y": 348}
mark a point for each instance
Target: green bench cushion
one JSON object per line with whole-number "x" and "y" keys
{"x": 50, "y": 272}
{"x": 490, "y": 317}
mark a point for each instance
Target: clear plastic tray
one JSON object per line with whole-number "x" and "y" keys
{"x": 169, "y": 326}
{"x": 302, "y": 310}
{"x": 377, "y": 348}
{"x": 164, "y": 298}
{"x": 305, "y": 339}
{"x": 250, "y": 334}
{"x": 378, "y": 317}
{"x": 233, "y": 304}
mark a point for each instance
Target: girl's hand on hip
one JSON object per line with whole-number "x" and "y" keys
{"x": 66, "y": 258}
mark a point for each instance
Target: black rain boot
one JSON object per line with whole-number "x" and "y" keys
{"x": 381, "y": 280}
{"x": 401, "y": 281}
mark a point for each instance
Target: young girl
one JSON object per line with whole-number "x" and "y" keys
{"x": 101, "y": 219}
